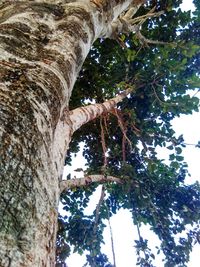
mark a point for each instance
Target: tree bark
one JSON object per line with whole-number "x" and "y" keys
{"x": 82, "y": 115}
{"x": 43, "y": 46}
{"x": 89, "y": 179}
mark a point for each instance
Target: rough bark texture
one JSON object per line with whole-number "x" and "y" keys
{"x": 98, "y": 178}
{"x": 82, "y": 115}
{"x": 42, "y": 48}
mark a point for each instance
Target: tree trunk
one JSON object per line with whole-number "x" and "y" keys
{"x": 43, "y": 46}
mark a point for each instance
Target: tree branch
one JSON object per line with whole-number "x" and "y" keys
{"x": 127, "y": 24}
{"x": 78, "y": 182}
{"x": 111, "y": 238}
{"x": 146, "y": 41}
{"x": 82, "y": 115}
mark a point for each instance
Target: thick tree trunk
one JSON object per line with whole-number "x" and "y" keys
{"x": 43, "y": 46}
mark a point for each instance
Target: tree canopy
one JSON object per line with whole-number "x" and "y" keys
{"x": 162, "y": 67}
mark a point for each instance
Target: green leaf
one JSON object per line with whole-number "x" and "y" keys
{"x": 178, "y": 150}
{"x": 179, "y": 158}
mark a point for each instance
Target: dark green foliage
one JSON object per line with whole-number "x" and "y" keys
{"x": 101, "y": 260}
{"x": 153, "y": 191}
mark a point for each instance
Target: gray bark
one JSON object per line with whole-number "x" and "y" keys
{"x": 42, "y": 48}
{"x": 89, "y": 179}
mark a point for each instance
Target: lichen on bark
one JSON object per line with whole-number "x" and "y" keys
{"x": 42, "y": 48}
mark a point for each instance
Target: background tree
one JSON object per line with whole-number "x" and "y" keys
{"x": 43, "y": 46}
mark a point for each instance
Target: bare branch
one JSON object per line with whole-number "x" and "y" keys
{"x": 79, "y": 182}
{"x": 101, "y": 200}
{"x": 103, "y": 144}
{"x": 127, "y": 24}
{"x": 142, "y": 19}
{"x": 111, "y": 237}
{"x": 122, "y": 127}
{"x": 130, "y": 13}
{"x": 161, "y": 101}
{"x": 146, "y": 41}
{"x": 82, "y": 115}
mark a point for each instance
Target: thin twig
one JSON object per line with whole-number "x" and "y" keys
{"x": 101, "y": 199}
{"x": 146, "y": 41}
{"x": 122, "y": 127}
{"x": 97, "y": 212}
{"x": 103, "y": 143}
{"x": 111, "y": 238}
{"x": 142, "y": 19}
{"x": 196, "y": 93}
{"x": 161, "y": 101}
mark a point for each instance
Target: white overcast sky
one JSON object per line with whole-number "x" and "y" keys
{"x": 122, "y": 226}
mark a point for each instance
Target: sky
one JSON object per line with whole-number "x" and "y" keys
{"x": 122, "y": 227}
